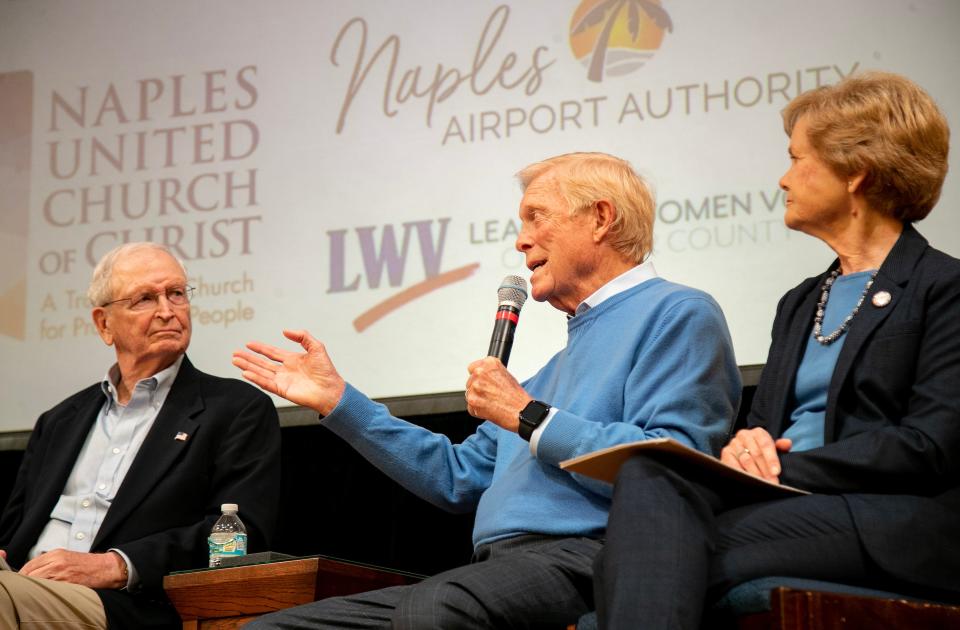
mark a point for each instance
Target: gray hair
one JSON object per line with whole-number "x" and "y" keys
{"x": 583, "y": 179}
{"x": 101, "y": 291}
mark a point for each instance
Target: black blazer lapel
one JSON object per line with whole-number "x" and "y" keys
{"x": 68, "y": 435}
{"x": 160, "y": 449}
{"x": 799, "y": 324}
{"x": 892, "y": 277}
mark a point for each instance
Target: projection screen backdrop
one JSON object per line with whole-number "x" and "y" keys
{"x": 348, "y": 167}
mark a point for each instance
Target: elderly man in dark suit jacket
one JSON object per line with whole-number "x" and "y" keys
{"x": 122, "y": 482}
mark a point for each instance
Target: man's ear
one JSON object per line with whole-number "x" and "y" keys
{"x": 854, "y": 182}
{"x": 100, "y": 320}
{"x": 604, "y": 215}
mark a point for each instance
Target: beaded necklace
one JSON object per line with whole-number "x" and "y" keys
{"x": 826, "y": 340}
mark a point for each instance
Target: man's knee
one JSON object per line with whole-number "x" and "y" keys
{"x": 440, "y": 604}
{"x": 6, "y": 593}
{"x": 37, "y": 603}
{"x": 8, "y": 612}
{"x": 371, "y": 609}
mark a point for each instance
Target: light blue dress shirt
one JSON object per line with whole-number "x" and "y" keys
{"x": 110, "y": 448}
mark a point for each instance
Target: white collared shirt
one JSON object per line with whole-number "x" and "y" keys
{"x": 626, "y": 280}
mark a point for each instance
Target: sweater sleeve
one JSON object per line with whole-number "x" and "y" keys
{"x": 684, "y": 384}
{"x": 450, "y": 476}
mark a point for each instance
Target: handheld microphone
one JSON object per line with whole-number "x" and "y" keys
{"x": 511, "y": 295}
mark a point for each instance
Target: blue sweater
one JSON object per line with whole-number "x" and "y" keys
{"x": 653, "y": 361}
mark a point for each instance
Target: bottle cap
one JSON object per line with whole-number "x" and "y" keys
{"x": 229, "y": 507}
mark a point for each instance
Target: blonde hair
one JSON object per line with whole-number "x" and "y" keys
{"x": 100, "y": 290}
{"x": 585, "y": 178}
{"x": 885, "y": 125}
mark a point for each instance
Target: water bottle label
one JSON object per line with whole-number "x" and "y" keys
{"x": 227, "y": 545}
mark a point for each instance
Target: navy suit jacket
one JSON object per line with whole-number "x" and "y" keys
{"x": 171, "y": 496}
{"x": 892, "y": 427}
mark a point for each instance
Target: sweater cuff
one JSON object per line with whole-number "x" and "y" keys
{"x": 350, "y": 415}
{"x": 535, "y": 436}
{"x": 558, "y": 441}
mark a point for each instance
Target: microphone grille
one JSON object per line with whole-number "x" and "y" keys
{"x": 513, "y": 289}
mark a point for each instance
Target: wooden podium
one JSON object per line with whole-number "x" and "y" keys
{"x": 221, "y": 599}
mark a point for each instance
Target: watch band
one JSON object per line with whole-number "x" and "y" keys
{"x": 531, "y": 417}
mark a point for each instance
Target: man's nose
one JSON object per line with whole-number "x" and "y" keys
{"x": 523, "y": 242}
{"x": 164, "y": 308}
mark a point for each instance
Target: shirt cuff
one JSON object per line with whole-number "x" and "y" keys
{"x": 133, "y": 578}
{"x": 535, "y": 436}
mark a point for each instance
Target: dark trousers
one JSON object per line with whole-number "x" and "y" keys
{"x": 521, "y": 582}
{"x": 675, "y": 542}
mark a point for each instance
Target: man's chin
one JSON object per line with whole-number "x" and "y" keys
{"x": 540, "y": 291}
{"x": 170, "y": 346}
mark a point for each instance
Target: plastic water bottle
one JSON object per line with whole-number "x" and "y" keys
{"x": 228, "y": 538}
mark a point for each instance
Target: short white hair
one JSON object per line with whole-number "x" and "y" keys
{"x": 101, "y": 290}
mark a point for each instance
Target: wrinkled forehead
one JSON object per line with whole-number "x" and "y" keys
{"x": 543, "y": 193}
{"x": 152, "y": 269}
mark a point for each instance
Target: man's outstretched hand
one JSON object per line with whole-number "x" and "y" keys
{"x": 305, "y": 378}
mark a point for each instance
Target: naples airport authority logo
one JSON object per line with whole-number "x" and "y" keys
{"x": 610, "y": 37}
{"x": 616, "y": 37}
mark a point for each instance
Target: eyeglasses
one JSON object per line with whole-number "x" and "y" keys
{"x": 149, "y": 300}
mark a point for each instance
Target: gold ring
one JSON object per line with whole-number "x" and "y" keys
{"x": 745, "y": 451}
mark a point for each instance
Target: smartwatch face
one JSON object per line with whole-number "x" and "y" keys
{"x": 531, "y": 416}
{"x": 534, "y": 413}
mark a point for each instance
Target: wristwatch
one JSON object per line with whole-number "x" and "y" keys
{"x": 531, "y": 417}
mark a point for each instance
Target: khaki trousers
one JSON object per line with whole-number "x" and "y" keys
{"x": 36, "y": 604}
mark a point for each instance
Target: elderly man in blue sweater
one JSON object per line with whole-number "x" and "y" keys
{"x": 645, "y": 358}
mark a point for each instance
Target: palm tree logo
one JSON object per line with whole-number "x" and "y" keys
{"x": 615, "y": 37}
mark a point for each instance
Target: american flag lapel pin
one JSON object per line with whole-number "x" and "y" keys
{"x": 181, "y": 436}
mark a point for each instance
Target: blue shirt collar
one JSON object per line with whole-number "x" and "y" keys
{"x": 159, "y": 383}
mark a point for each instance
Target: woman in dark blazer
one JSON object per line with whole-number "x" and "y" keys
{"x": 859, "y": 402}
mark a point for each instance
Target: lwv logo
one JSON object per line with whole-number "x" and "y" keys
{"x": 384, "y": 253}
